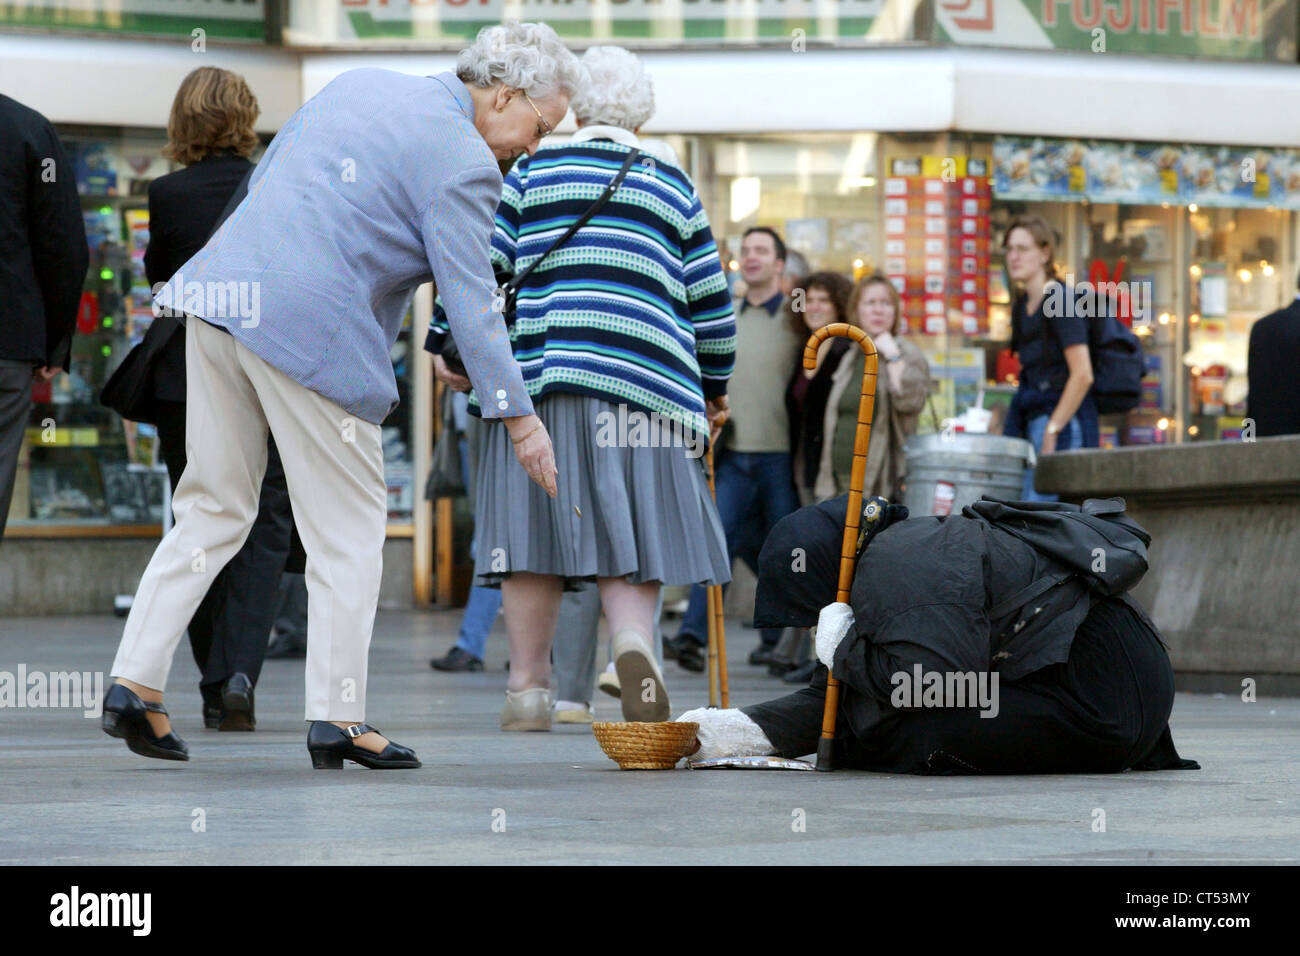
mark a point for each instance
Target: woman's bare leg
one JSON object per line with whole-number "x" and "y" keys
{"x": 630, "y": 610}
{"x": 532, "y": 605}
{"x": 630, "y": 606}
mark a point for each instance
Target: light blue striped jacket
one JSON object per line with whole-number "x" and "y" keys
{"x": 377, "y": 184}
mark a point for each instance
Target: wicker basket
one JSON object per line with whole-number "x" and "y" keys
{"x": 646, "y": 746}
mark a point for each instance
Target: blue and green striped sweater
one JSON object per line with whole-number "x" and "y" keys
{"x": 634, "y": 309}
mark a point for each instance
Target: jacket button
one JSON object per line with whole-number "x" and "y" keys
{"x": 503, "y": 404}
{"x": 501, "y": 393}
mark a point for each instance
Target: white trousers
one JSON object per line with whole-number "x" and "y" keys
{"x": 334, "y": 468}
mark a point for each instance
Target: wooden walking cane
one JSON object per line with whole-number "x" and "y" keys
{"x": 849, "y": 546}
{"x": 717, "y": 627}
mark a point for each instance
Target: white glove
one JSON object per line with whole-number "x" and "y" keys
{"x": 833, "y": 623}
{"x": 727, "y": 733}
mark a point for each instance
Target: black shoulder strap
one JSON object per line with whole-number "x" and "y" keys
{"x": 1027, "y": 594}
{"x": 514, "y": 284}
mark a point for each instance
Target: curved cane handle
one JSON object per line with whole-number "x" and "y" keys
{"x": 848, "y": 547}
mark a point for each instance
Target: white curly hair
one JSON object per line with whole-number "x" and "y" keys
{"x": 620, "y": 93}
{"x": 526, "y": 56}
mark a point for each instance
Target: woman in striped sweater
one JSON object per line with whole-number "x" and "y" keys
{"x": 625, "y": 336}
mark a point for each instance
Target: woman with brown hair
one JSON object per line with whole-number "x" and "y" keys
{"x": 1053, "y": 407}
{"x": 210, "y": 132}
{"x": 902, "y": 386}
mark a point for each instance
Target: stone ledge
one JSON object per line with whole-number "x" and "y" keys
{"x": 1261, "y": 470}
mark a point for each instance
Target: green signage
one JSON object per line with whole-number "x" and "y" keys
{"x": 218, "y": 19}
{"x": 1229, "y": 29}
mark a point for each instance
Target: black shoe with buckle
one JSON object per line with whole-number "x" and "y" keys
{"x": 125, "y": 717}
{"x": 237, "y": 704}
{"x": 329, "y": 746}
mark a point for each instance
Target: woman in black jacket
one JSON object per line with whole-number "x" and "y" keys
{"x": 1053, "y": 407}
{"x": 825, "y": 300}
{"x": 211, "y": 131}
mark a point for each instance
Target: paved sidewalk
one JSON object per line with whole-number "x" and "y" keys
{"x": 71, "y": 795}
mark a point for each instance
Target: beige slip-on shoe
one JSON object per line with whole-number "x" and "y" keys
{"x": 573, "y": 712}
{"x": 644, "y": 695}
{"x": 608, "y": 682}
{"x": 527, "y": 710}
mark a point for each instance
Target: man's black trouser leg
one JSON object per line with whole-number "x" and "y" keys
{"x": 250, "y": 584}
{"x": 15, "y": 412}
{"x": 794, "y": 723}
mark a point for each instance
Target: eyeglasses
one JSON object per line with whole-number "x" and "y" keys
{"x": 545, "y": 125}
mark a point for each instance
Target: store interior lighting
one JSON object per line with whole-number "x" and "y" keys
{"x": 746, "y": 192}
{"x": 859, "y": 163}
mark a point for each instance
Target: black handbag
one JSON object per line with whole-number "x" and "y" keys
{"x": 509, "y": 290}
{"x": 445, "y": 477}
{"x": 129, "y": 390}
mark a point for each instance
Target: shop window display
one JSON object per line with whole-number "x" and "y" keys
{"x": 1235, "y": 277}
{"x": 819, "y": 190}
{"x": 81, "y": 464}
{"x": 1133, "y": 246}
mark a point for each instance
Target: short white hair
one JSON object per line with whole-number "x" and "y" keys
{"x": 525, "y": 56}
{"x": 620, "y": 93}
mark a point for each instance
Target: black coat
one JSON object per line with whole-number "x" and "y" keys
{"x": 43, "y": 253}
{"x": 1274, "y": 398}
{"x": 807, "y": 423}
{"x": 184, "y": 209}
{"x": 949, "y": 593}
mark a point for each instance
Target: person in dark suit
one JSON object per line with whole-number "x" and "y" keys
{"x": 211, "y": 131}
{"x": 1274, "y": 355}
{"x": 43, "y": 262}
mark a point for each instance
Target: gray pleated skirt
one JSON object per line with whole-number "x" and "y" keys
{"x": 646, "y": 511}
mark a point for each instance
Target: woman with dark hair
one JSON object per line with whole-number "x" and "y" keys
{"x": 825, "y": 301}
{"x": 1053, "y": 407}
{"x": 210, "y": 131}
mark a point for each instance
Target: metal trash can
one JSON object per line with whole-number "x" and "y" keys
{"x": 948, "y": 471}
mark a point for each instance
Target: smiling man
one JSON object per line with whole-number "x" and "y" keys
{"x": 378, "y": 184}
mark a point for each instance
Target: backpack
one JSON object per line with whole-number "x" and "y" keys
{"x": 1095, "y": 551}
{"x": 1118, "y": 363}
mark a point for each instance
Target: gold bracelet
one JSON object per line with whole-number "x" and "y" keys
{"x": 516, "y": 441}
